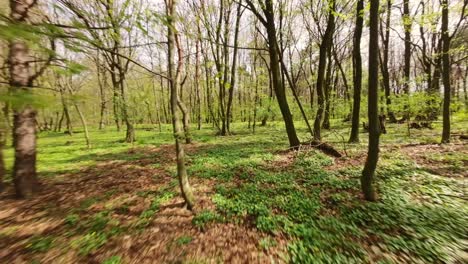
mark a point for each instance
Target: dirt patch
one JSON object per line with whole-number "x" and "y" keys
{"x": 448, "y": 160}
{"x": 124, "y": 190}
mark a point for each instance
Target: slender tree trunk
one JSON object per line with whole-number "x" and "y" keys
{"x": 102, "y": 82}
{"x": 293, "y": 87}
{"x": 174, "y": 75}
{"x": 327, "y": 92}
{"x": 59, "y": 126}
{"x": 324, "y": 47}
{"x": 446, "y": 69}
{"x": 384, "y": 62}
{"x": 85, "y": 126}
{"x": 197, "y": 76}
{"x": 357, "y": 72}
{"x": 185, "y": 120}
{"x": 373, "y": 115}
{"x": 407, "y": 55}
{"x": 233, "y": 68}
{"x": 130, "y": 133}
{"x": 276, "y": 77}
{"x": 115, "y": 101}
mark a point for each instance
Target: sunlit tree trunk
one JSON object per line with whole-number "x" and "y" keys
{"x": 24, "y": 117}
{"x": 174, "y": 75}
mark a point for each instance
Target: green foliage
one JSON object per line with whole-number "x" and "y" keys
{"x": 267, "y": 242}
{"x": 40, "y": 243}
{"x": 72, "y": 219}
{"x": 418, "y": 104}
{"x": 88, "y": 202}
{"x": 205, "y": 217}
{"x": 113, "y": 260}
{"x": 89, "y": 242}
{"x": 98, "y": 222}
{"x": 183, "y": 240}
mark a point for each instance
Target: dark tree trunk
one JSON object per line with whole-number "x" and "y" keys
{"x": 276, "y": 75}
{"x": 446, "y": 69}
{"x": 357, "y": 72}
{"x": 407, "y": 56}
{"x": 233, "y": 68}
{"x": 374, "y": 134}
{"x": 384, "y": 61}
{"x": 323, "y": 51}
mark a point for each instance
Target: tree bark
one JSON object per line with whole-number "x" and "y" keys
{"x": 174, "y": 75}
{"x": 24, "y": 117}
{"x": 446, "y": 69}
{"x": 384, "y": 61}
{"x": 357, "y": 72}
{"x": 323, "y": 51}
{"x": 233, "y": 68}
{"x": 372, "y": 108}
{"x": 276, "y": 77}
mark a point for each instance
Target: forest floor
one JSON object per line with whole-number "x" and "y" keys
{"x": 256, "y": 202}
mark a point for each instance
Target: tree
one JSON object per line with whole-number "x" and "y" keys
{"x": 269, "y": 23}
{"x": 174, "y": 82}
{"x": 446, "y": 68}
{"x": 23, "y": 72}
{"x": 385, "y": 35}
{"x": 372, "y": 108}
{"x": 357, "y": 72}
{"x": 325, "y": 48}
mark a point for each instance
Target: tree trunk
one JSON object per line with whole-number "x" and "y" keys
{"x": 176, "y": 124}
{"x": 327, "y": 92}
{"x": 102, "y": 82}
{"x": 324, "y": 47}
{"x": 197, "y": 76}
{"x": 384, "y": 62}
{"x": 446, "y": 69}
{"x": 357, "y": 72}
{"x": 2, "y": 161}
{"x": 276, "y": 78}
{"x": 374, "y": 134}
{"x": 24, "y": 118}
{"x": 407, "y": 55}
{"x": 233, "y": 68}
{"x": 85, "y": 127}
{"x": 24, "y": 142}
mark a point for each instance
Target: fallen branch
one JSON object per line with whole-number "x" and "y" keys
{"x": 324, "y": 147}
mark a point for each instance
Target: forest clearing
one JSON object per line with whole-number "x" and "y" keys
{"x": 233, "y": 131}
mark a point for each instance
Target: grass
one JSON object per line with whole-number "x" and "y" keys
{"x": 310, "y": 203}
